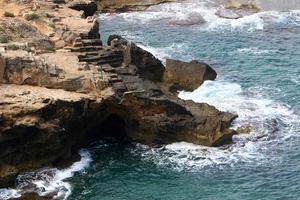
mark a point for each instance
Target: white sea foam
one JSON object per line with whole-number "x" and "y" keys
{"x": 169, "y": 13}
{"x": 249, "y": 104}
{"x": 272, "y": 122}
{"x": 255, "y": 51}
{"x": 166, "y": 52}
{"x": 8, "y": 194}
{"x": 49, "y": 180}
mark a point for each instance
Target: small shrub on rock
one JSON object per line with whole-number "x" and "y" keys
{"x": 3, "y": 39}
{"x": 13, "y": 47}
{"x": 51, "y": 24}
{"x": 32, "y": 16}
{"x": 8, "y": 14}
{"x": 51, "y": 49}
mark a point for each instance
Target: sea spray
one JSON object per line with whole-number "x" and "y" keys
{"x": 49, "y": 180}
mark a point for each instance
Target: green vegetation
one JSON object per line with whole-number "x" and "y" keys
{"x": 47, "y": 15}
{"x": 32, "y": 16}
{"x": 8, "y": 14}
{"x": 51, "y": 49}
{"x": 3, "y": 39}
{"x": 13, "y": 47}
{"x": 52, "y": 25}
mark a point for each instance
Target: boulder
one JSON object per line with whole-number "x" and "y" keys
{"x": 193, "y": 18}
{"x": 181, "y": 75}
{"x": 228, "y": 14}
{"x": 89, "y": 7}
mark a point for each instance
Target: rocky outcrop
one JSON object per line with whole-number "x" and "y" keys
{"x": 53, "y": 103}
{"x": 129, "y": 5}
{"x": 20, "y": 31}
{"x": 42, "y": 126}
{"x": 88, "y": 7}
{"x": 157, "y": 119}
{"x": 181, "y": 75}
{"x": 130, "y": 105}
{"x": 148, "y": 66}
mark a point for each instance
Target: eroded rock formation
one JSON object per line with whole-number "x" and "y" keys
{"x": 53, "y": 103}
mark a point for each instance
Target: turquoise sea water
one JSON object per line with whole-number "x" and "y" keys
{"x": 258, "y": 63}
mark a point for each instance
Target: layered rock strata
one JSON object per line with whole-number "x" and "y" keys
{"x": 52, "y": 103}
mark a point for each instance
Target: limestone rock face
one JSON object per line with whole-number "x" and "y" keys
{"x": 40, "y": 126}
{"x": 20, "y": 31}
{"x": 157, "y": 119}
{"x": 181, "y": 75}
{"x": 43, "y": 71}
{"x": 53, "y": 103}
{"x": 148, "y": 66}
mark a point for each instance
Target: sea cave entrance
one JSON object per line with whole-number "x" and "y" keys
{"x": 113, "y": 128}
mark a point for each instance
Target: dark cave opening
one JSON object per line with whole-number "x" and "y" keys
{"x": 112, "y": 129}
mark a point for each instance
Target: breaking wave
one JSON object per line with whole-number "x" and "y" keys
{"x": 171, "y": 13}
{"x": 274, "y": 126}
{"x": 46, "y": 181}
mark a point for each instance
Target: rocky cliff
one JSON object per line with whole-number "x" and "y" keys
{"x": 55, "y": 99}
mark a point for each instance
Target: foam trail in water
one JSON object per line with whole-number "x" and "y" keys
{"x": 256, "y": 51}
{"x": 46, "y": 181}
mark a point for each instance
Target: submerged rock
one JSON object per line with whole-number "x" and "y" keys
{"x": 193, "y": 18}
{"x": 228, "y": 14}
{"x": 181, "y": 75}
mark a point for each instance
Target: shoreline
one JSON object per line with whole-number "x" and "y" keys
{"x": 61, "y": 85}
